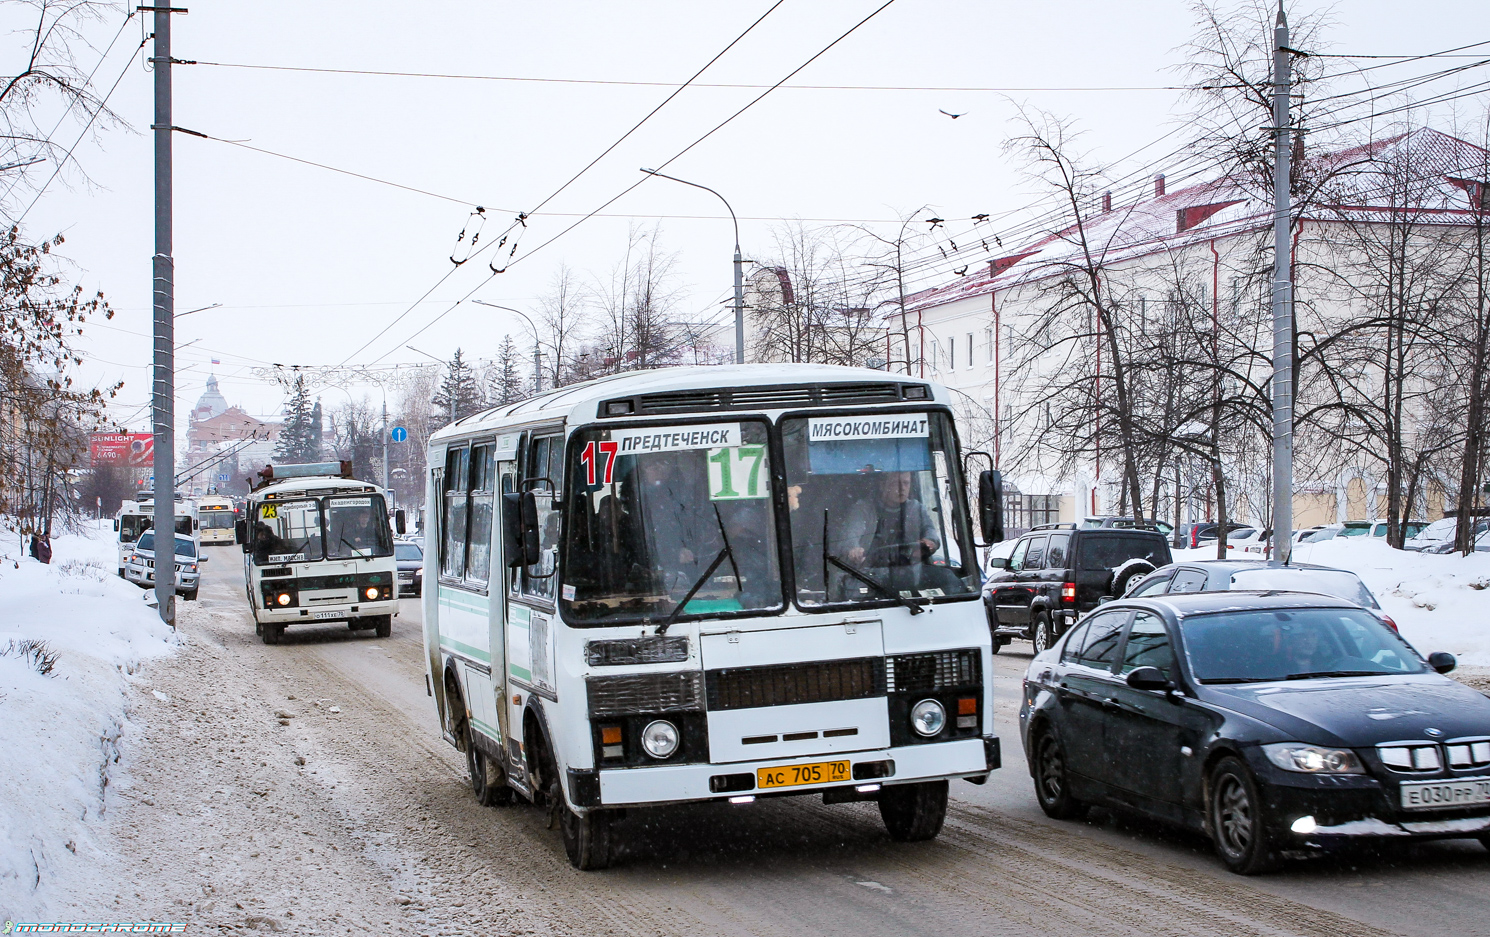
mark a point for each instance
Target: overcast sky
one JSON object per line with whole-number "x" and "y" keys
{"x": 309, "y": 264}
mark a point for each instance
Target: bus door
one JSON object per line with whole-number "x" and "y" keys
{"x": 531, "y": 592}
{"x": 464, "y": 604}
{"x": 503, "y": 578}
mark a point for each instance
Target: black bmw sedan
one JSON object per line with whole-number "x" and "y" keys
{"x": 1274, "y": 722}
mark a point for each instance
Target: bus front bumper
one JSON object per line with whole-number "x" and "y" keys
{"x": 327, "y": 612}
{"x": 664, "y": 784}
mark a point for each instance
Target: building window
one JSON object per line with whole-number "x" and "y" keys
{"x": 970, "y": 349}
{"x": 988, "y": 338}
{"x": 951, "y": 354}
{"x": 1044, "y": 509}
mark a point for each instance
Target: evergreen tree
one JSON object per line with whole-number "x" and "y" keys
{"x": 297, "y": 437}
{"x": 459, "y": 394}
{"x": 317, "y": 437}
{"x": 504, "y": 383}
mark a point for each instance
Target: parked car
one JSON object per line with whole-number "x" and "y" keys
{"x": 410, "y": 559}
{"x": 139, "y": 568}
{"x": 1195, "y": 536}
{"x": 1273, "y": 722}
{"x": 1343, "y": 530}
{"x": 1438, "y": 537}
{"x": 1058, "y": 572}
{"x": 1257, "y": 575}
{"x": 1111, "y": 520}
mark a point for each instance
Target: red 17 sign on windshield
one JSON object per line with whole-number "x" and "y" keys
{"x": 607, "y": 454}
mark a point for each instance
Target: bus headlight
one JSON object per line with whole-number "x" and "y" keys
{"x": 928, "y": 717}
{"x": 284, "y": 598}
{"x": 371, "y": 592}
{"x": 660, "y": 738}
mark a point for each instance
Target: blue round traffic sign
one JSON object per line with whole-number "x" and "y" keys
{"x": 398, "y": 434}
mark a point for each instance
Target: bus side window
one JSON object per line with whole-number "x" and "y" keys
{"x": 453, "y": 528}
{"x": 545, "y": 460}
{"x": 483, "y": 488}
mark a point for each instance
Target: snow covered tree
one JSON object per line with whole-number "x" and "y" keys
{"x": 459, "y": 394}
{"x": 298, "y": 436}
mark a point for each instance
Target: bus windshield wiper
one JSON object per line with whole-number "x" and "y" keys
{"x": 726, "y": 551}
{"x": 882, "y": 589}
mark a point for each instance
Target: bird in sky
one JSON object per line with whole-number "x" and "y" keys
{"x": 950, "y": 114}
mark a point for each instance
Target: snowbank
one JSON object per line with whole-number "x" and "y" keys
{"x": 58, "y": 732}
{"x": 1440, "y": 602}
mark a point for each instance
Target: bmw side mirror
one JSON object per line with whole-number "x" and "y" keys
{"x": 1148, "y": 678}
{"x": 1442, "y": 661}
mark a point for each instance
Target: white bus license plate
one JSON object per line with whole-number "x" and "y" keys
{"x": 1436, "y": 795}
{"x": 330, "y": 615}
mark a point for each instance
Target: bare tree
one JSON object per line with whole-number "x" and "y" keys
{"x": 811, "y": 304}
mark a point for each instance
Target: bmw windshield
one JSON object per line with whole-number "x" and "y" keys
{"x": 1294, "y": 644}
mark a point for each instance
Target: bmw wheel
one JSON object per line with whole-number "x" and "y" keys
{"x": 1051, "y": 786}
{"x": 1238, "y": 827}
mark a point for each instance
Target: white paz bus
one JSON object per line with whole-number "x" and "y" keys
{"x": 709, "y": 584}
{"x": 317, "y": 548}
{"x": 216, "y": 516}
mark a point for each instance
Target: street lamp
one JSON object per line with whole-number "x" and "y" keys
{"x": 739, "y": 277}
{"x": 202, "y": 309}
{"x": 537, "y": 370}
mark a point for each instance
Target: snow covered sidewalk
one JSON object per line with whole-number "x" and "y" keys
{"x": 59, "y": 729}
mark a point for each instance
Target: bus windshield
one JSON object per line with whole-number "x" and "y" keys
{"x": 357, "y": 527}
{"x": 287, "y": 532}
{"x": 217, "y": 519}
{"x": 875, "y": 512}
{"x": 669, "y": 521}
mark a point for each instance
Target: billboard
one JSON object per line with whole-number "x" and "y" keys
{"x": 127, "y": 449}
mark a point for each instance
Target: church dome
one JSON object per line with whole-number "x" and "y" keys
{"x": 212, "y": 403}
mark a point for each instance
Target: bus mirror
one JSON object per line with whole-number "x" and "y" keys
{"x": 991, "y": 505}
{"x": 398, "y": 521}
{"x": 240, "y": 532}
{"x": 116, "y": 525}
{"x": 520, "y": 528}
{"x": 530, "y": 552}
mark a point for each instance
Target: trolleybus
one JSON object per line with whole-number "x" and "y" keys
{"x": 709, "y": 584}
{"x": 216, "y": 516}
{"x": 317, "y": 547}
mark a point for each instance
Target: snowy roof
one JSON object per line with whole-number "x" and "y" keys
{"x": 1360, "y": 186}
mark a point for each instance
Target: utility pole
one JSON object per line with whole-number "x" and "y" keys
{"x": 385, "y": 442}
{"x": 1282, "y": 300}
{"x": 163, "y": 286}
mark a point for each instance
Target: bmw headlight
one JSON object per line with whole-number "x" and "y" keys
{"x": 1311, "y": 759}
{"x": 660, "y": 738}
{"x": 928, "y": 717}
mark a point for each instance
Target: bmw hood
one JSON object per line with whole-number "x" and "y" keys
{"x": 1359, "y": 712}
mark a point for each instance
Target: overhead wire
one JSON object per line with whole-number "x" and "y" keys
{"x": 83, "y": 133}
{"x": 521, "y": 218}
{"x": 87, "y": 82}
{"x": 715, "y": 129}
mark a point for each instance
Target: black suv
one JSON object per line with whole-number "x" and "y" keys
{"x": 1057, "y": 572}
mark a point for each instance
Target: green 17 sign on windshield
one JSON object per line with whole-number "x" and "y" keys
{"x": 737, "y": 472}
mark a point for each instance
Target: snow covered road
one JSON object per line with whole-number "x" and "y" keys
{"x": 304, "y": 788}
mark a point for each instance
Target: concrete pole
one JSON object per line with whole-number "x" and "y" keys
{"x": 1282, "y": 301}
{"x": 163, "y": 286}
{"x": 739, "y": 304}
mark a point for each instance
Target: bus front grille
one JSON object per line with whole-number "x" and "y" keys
{"x": 940, "y": 670}
{"x": 787, "y": 684}
{"x": 678, "y": 691}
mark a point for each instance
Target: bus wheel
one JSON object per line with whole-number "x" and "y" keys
{"x": 587, "y": 839}
{"x": 384, "y": 624}
{"x": 914, "y": 812}
{"x": 487, "y": 782}
{"x": 272, "y": 631}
